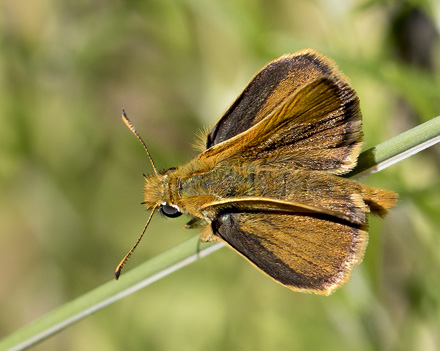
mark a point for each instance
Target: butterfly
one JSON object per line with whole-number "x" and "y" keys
{"x": 269, "y": 183}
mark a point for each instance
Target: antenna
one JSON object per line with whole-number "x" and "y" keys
{"x": 127, "y": 256}
{"x": 130, "y": 126}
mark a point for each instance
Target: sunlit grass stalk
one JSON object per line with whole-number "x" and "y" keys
{"x": 397, "y": 149}
{"x": 370, "y": 161}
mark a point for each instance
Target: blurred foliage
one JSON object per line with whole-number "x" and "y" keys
{"x": 71, "y": 173}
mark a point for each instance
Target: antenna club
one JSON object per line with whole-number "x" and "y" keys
{"x": 121, "y": 264}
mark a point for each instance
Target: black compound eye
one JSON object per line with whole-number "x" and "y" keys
{"x": 170, "y": 211}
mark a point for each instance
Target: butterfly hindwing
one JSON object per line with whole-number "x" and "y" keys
{"x": 305, "y": 252}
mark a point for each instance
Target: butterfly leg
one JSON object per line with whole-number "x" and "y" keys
{"x": 207, "y": 235}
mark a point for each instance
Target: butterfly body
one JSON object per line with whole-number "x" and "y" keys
{"x": 200, "y": 193}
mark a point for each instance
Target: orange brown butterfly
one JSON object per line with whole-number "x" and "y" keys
{"x": 268, "y": 183}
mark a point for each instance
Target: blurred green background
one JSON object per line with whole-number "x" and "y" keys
{"x": 71, "y": 172}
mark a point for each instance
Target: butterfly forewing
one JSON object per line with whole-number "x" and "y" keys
{"x": 306, "y": 252}
{"x": 271, "y": 87}
{"x": 318, "y": 128}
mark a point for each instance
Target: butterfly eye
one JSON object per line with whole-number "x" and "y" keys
{"x": 170, "y": 211}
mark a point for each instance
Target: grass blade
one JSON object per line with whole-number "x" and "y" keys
{"x": 131, "y": 281}
{"x": 397, "y": 149}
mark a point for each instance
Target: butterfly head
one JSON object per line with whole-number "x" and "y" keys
{"x": 154, "y": 190}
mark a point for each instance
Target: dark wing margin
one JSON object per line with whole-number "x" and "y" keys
{"x": 304, "y": 252}
{"x": 271, "y": 87}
